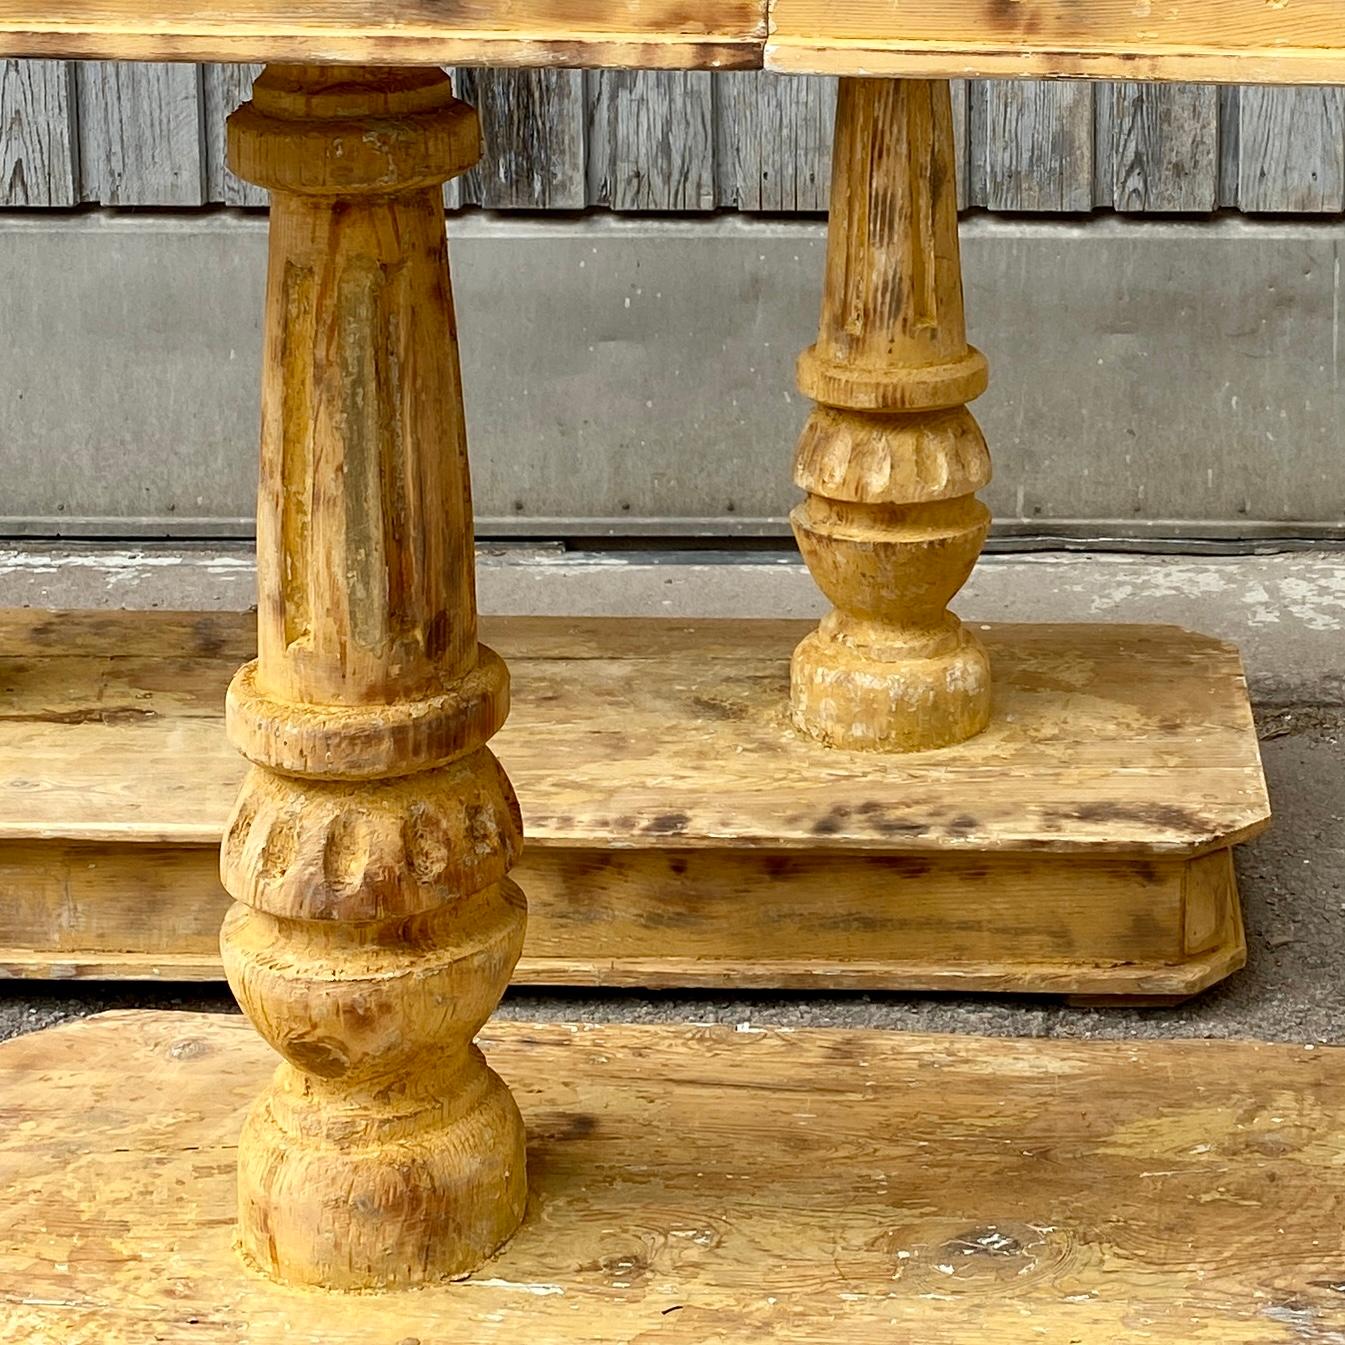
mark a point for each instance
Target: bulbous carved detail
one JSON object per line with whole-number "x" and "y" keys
{"x": 334, "y": 850}
{"x": 377, "y": 1005}
{"x": 890, "y": 457}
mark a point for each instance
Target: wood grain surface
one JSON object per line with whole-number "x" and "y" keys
{"x": 673, "y": 735}
{"x": 693, "y": 838}
{"x": 1025, "y": 924}
{"x": 708, "y": 34}
{"x": 1204, "y": 41}
{"x": 701, "y": 1184}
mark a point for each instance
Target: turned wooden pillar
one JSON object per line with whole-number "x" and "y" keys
{"x": 374, "y": 927}
{"x": 891, "y": 458}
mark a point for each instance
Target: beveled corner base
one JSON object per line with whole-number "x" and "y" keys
{"x": 1081, "y": 845}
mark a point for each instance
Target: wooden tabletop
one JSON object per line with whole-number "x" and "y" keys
{"x": 1238, "y": 41}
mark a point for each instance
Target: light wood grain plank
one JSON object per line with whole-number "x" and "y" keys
{"x": 1164, "y": 147}
{"x": 141, "y": 134}
{"x": 1197, "y": 41}
{"x": 1291, "y": 150}
{"x": 653, "y": 34}
{"x": 1104, "y": 738}
{"x": 1028, "y": 923}
{"x": 38, "y": 139}
{"x": 706, "y": 1183}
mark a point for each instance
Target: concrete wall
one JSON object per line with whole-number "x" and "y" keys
{"x": 635, "y": 376}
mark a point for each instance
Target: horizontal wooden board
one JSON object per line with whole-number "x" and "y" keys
{"x": 668, "y": 735}
{"x": 1201, "y": 41}
{"x": 1038, "y": 924}
{"x": 659, "y": 34}
{"x": 1248, "y": 41}
{"x": 707, "y": 1184}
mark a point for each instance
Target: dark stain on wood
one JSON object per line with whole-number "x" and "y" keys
{"x": 714, "y": 708}
{"x": 667, "y": 824}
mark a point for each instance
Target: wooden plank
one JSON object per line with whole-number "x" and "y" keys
{"x": 774, "y": 134}
{"x": 651, "y": 140}
{"x": 650, "y": 34}
{"x": 1230, "y": 146}
{"x": 1164, "y": 147}
{"x": 226, "y": 87}
{"x": 712, "y": 1184}
{"x": 533, "y": 123}
{"x": 99, "y": 748}
{"x": 774, "y": 141}
{"x": 1291, "y": 150}
{"x": 38, "y": 140}
{"x": 1194, "y": 41}
{"x": 1039, "y": 924}
{"x": 1032, "y": 146}
{"x": 140, "y": 134}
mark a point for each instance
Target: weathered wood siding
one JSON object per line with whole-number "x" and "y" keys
{"x": 152, "y": 135}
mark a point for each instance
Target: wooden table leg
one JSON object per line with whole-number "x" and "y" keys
{"x": 891, "y": 458}
{"x": 374, "y": 927}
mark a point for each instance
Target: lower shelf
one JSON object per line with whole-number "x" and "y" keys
{"x": 706, "y": 1184}
{"x": 680, "y": 832}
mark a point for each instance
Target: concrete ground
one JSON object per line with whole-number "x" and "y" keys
{"x": 1287, "y": 612}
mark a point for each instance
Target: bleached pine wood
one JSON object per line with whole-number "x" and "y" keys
{"x": 653, "y": 34}
{"x": 891, "y": 459}
{"x": 38, "y": 139}
{"x": 1117, "y": 926}
{"x": 702, "y": 1184}
{"x": 374, "y": 925}
{"x": 1167, "y": 704}
{"x": 1083, "y": 700}
{"x": 115, "y": 778}
{"x": 1187, "y": 40}
{"x": 1196, "y": 41}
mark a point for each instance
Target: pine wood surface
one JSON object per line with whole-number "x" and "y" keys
{"x": 1034, "y": 924}
{"x": 672, "y": 734}
{"x": 115, "y": 782}
{"x": 693, "y": 1184}
{"x": 712, "y": 34}
{"x": 1204, "y": 41}
{"x": 1201, "y": 41}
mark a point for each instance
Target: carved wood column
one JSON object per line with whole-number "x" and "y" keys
{"x": 891, "y": 458}
{"x": 374, "y": 927}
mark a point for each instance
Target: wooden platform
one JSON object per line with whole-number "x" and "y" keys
{"x": 1249, "y": 41}
{"x": 679, "y": 831}
{"x": 705, "y": 1184}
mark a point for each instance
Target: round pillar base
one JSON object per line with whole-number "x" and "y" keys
{"x": 846, "y": 698}
{"x": 432, "y": 1203}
